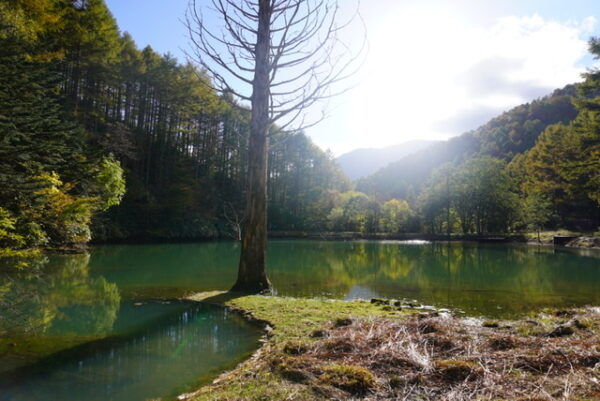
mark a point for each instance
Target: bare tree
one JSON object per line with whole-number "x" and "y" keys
{"x": 234, "y": 220}
{"x": 281, "y": 56}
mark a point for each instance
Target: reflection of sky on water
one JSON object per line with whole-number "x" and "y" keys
{"x": 360, "y": 292}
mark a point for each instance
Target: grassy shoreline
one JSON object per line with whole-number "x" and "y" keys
{"x": 328, "y": 349}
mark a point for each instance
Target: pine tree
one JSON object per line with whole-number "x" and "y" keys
{"x": 35, "y": 136}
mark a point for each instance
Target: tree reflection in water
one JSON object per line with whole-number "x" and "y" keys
{"x": 51, "y": 305}
{"x": 57, "y": 297}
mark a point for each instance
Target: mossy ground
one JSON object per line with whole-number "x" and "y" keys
{"x": 296, "y": 323}
{"x": 324, "y": 349}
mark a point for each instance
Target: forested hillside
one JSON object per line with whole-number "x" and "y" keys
{"x": 511, "y": 133}
{"x": 83, "y": 110}
{"x": 533, "y": 167}
{"x": 100, "y": 139}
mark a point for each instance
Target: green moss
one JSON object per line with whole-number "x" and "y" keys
{"x": 353, "y": 379}
{"x": 583, "y": 324}
{"x": 258, "y": 386}
{"x": 294, "y": 348}
{"x": 294, "y": 320}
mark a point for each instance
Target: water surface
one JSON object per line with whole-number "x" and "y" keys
{"x": 496, "y": 280}
{"x": 103, "y": 326}
{"x": 155, "y": 349}
{"x": 66, "y": 333}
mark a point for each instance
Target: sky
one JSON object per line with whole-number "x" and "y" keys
{"x": 434, "y": 69}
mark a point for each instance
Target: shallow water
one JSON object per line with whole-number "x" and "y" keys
{"x": 154, "y": 349}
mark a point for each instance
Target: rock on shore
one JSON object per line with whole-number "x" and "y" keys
{"x": 585, "y": 242}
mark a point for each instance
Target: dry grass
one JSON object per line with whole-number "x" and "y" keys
{"x": 334, "y": 350}
{"x": 445, "y": 358}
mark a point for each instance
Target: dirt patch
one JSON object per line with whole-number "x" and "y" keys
{"x": 502, "y": 343}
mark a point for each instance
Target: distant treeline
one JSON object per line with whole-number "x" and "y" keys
{"x": 102, "y": 140}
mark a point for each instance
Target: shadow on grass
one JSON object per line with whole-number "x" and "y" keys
{"x": 217, "y": 297}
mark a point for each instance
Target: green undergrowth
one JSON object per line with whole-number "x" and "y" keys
{"x": 299, "y": 319}
{"x": 295, "y": 318}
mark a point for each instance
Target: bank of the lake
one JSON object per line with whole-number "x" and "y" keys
{"x": 329, "y": 349}
{"x": 566, "y": 238}
{"x": 381, "y": 236}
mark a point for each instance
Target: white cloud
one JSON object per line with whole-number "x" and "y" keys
{"x": 428, "y": 66}
{"x": 549, "y": 50}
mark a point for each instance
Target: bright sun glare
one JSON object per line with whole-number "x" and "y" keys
{"x": 430, "y": 66}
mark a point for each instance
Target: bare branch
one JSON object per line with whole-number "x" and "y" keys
{"x": 307, "y": 58}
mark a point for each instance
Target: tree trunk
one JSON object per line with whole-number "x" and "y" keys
{"x": 448, "y": 225}
{"x": 252, "y": 276}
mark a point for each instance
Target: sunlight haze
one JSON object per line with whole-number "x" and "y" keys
{"x": 435, "y": 69}
{"x": 433, "y": 74}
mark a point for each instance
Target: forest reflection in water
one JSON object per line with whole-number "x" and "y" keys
{"x": 187, "y": 345}
{"x": 496, "y": 280}
{"x": 53, "y": 304}
{"x": 67, "y": 334}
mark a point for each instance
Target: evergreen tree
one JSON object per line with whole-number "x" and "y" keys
{"x": 35, "y": 135}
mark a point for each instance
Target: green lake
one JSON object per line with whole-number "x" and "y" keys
{"x": 154, "y": 348}
{"x": 495, "y": 280}
{"x": 105, "y": 325}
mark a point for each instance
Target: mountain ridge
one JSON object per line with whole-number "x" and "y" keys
{"x": 512, "y": 132}
{"x": 362, "y": 162}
